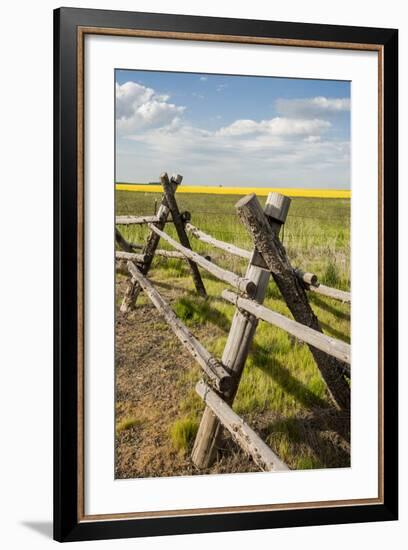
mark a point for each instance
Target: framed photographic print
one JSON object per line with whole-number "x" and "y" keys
{"x": 225, "y": 274}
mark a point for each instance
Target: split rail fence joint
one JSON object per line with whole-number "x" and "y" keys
{"x": 241, "y": 283}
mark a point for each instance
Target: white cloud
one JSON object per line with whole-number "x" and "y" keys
{"x": 272, "y": 154}
{"x": 139, "y": 107}
{"x": 278, "y": 126}
{"x": 203, "y": 78}
{"x": 312, "y": 139}
{"x": 221, "y": 87}
{"x": 312, "y": 107}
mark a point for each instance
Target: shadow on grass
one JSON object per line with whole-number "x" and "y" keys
{"x": 201, "y": 311}
{"x": 320, "y": 432}
{"x": 315, "y": 300}
{"x": 265, "y": 361}
{"x": 328, "y": 329}
{"x": 190, "y": 291}
{"x": 263, "y": 358}
{"x": 173, "y": 286}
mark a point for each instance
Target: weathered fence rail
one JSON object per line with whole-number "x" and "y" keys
{"x": 135, "y": 257}
{"x": 136, "y": 220}
{"x": 330, "y": 292}
{"x": 211, "y": 366}
{"x": 332, "y": 346}
{"x": 307, "y": 278}
{"x": 205, "y": 238}
{"x": 267, "y": 259}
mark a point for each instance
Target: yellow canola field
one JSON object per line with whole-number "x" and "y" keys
{"x": 262, "y": 191}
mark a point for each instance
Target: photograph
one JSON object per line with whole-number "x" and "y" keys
{"x": 232, "y": 273}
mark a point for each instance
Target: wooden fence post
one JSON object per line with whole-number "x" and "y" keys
{"x": 181, "y": 232}
{"x": 133, "y": 289}
{"x": 274, "y": 254}
{"x": 239, "y": 341}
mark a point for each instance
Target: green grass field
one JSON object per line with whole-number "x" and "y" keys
{"x": 281, "y": 388}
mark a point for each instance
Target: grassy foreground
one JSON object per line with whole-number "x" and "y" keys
{"x": 281, "y": 393}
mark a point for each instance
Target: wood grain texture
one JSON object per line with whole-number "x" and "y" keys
{"x": 136, "y": 220}
{"x": 334, "y": 293}
{"x": 311, "y": 283}
{"x": 134, "y": 257}
{"x": 196, "y": 36}
{"x": 307, "y": 278}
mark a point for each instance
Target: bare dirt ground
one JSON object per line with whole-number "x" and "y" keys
{"x": 152, "y": 379}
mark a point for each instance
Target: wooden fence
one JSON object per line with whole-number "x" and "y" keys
{"x": 267, "y": 259}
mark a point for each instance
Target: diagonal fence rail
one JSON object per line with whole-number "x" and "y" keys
{"x": 331, "y": 346}
{"x": 245, "y": 436}
{"x": 211, "y": 366}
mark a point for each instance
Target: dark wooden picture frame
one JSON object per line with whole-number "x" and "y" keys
{"x": 70, "y": 27}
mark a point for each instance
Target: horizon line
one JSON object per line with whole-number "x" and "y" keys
{"x": 220, "y": 190}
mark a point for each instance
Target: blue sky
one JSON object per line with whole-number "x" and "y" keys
{"x": 232, "y": 130}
